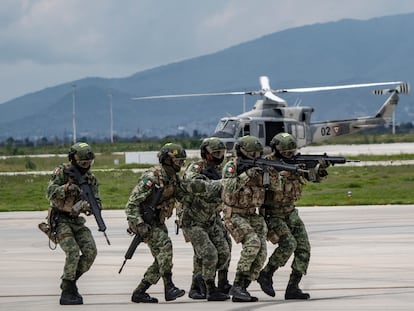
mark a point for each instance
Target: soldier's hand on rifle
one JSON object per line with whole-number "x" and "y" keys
{"x": 254, "y": 172}
{"x": 72, "y": 189}
{"x": 143, "y": 229}
{"x": 323, "y": 164}
{"x": 321, "y": 168}
{"x": 132, "y": 227}
{"x": 86, "y": 207}
{"x": 81, "y": 206}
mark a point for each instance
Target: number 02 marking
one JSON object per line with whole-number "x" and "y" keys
{"x": 326, "y": 131}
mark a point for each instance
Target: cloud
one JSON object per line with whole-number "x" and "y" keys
{"x": 60, "y": 40}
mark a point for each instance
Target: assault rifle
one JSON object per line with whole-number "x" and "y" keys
{"x": 87, "y": 195}
{"x": 149, "y": 214}
{"x": 310, "y": 162}
{"x": 131, "y": 249}
{"x": 265, "y": 164}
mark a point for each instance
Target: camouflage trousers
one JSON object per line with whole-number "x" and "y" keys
{"x": 161, "y": 249}
{"x": 293, "y": 239}
{"x": 211, "y": 248}
{"x": 252, "y": 230}
{"x": 77, "y": 242}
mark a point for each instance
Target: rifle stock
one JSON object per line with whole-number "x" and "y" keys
{"x": 87, "y": 195}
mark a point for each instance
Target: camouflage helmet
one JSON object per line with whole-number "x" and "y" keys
{"x": 249, "y": 146}
{"x": 283, "y": 142}
{"x": 81, "y": 152}
{"x": 212, "y": 145}
{"x": 171, "y": 150}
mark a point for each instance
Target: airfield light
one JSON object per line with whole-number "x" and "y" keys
{"x": 74, "y": 113}
{"x": 111, "y": 126}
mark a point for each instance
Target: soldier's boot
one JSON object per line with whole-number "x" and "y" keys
{"x": 223, "y": 281}
{"x": 292, "y": 290}
{"x": 213, "y": 293}
{"x": 265, "y": 280}
{"x": 76, "y": 292}
{"x": 68, "y": 296}
{"x": 140, "y": 294}
{"x": 246, "y": 285}
{"x": 171, "y": 292}
{"x": 238, "y": 290}
{"x": 198, "y": 288}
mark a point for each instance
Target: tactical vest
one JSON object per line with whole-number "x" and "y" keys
{"x": 70, "y": 199}
{"x": 289, "y": 190}
{"x": 247, "y": 198}
{"x": 167, "y": 201}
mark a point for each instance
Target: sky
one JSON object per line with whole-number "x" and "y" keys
{"x": 44, "y": 43}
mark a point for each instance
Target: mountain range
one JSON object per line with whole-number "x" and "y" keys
{"x": 342, "y": 52}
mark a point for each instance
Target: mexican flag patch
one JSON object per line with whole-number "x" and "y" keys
{"x": 148, "y": 182}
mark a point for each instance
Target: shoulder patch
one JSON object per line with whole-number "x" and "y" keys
{"x": 230, "y": 169}
{"x": 148, "y": 182}
{"x": 197, "y": 167}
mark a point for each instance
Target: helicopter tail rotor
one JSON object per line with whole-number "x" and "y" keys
{"x": 403, "y": 88}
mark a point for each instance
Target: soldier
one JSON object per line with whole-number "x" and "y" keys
{"x": 202, "y": 224}
{"x": 73, "y": 236}
{"x": 284, "y": 224}
{"x": 154, "y": 231}
{"x": 243, "y": 194}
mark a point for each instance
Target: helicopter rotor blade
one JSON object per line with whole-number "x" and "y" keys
{"x": 192, "y": 95}
{"x": 267, "y": 91}
{"x": 334, "y": 87}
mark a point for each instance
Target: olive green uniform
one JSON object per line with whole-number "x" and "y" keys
{"x": 74, "y": 237}
{"x": 282, "y": 218}
{"x": 202, "y": 224}
{"x": 158, "y": 240}
{"x": 243, "y": 195}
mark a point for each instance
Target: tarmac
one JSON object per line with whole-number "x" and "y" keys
{"x": 362, "y": 259}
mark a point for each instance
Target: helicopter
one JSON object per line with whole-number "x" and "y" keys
{"x": 271, "y": 115}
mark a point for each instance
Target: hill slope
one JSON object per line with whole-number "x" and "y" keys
{"x": 347, "y": 51}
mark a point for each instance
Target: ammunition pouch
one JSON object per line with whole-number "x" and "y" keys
{"x": 237, "y": 233}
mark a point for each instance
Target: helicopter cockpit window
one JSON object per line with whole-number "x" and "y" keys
{"x": 226, "y": 128}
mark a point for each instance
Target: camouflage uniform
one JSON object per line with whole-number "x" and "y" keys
{"x": 158, "y": 240}
{"x": 157, "y": 236}
{"x": 283, "y": 221}
{"x": 74, "y": 237}
{"x": 285, "y": 226}
{"x": 242, "y": 195}
{"x": 202, "y": 224}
